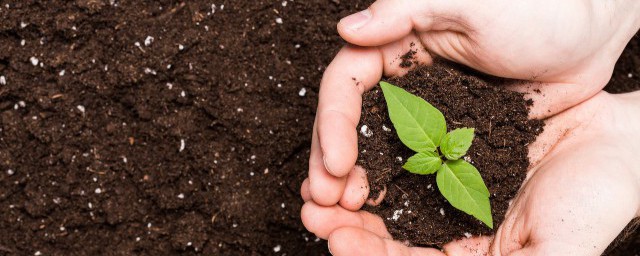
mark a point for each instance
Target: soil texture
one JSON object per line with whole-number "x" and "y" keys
{"x": 159, "y": 127}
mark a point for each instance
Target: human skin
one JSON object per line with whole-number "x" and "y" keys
{"x": 581, "y": 191}
{"x": 566, "y": 50}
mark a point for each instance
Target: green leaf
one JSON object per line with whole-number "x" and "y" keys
{"x": 461, "y": 184}
{"x": 456, "y": 143}
{"x": 419, "y": 125}
{"x": 423, "y": 163}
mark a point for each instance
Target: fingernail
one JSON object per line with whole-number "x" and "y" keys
{"x": 357, "y": 20}
{"x": 329, "y": 247}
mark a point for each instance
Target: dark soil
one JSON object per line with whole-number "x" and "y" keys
{"x": 213, "y": 197}
{"x": 413, "y": 208}
{"x": 90, "y": 141}
{"x": 626, "y": 75}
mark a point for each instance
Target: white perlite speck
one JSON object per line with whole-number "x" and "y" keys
{"x": 34, "y": 61}
{"x": 467, "y": 158}
{"x": 38, "y": 253}
{"x": 630, "y": 75}
{"x": 442, "y": 211}
{"x": 10, "y": 172}
{"x": 282, "y": 205}
{"x": 181, "y": 196}
{"x": 385, "y": 128}
{"x": 365, "y": 131}
{"x": 182, "y": 145}
{"x": 81, "y": 108}
{"x": 399, "y": 159}
{"x": 150, "y": 71}
{"x": 396, "y": 215}
{"x": 98, "y": 190}
{"x": 302, "y": 92}
{"x": 148, "y": 41}
{"x": 180, "y": 47}
{"x": 3, "y": 80}
{"x": 277, "y": 248}
{"x": 284, "y": 3}
{"x": 279, "y": 20}
{"x": 23, "y": 42}
{"x": 61, "y": 72}
{"x": 467, "y": 234}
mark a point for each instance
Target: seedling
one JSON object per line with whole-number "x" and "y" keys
{"x": 422, "y": 128}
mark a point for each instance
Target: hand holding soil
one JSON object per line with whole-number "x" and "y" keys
{"x": 577, "y": 207}
{"x": 582, "y": 191}
{"x": 567, "y": 51}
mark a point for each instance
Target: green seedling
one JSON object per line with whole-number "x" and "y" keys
{"x": 422, "y": 128}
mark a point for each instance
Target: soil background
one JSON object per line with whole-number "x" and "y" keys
{"x": 162, "y": 127}
{"x": 91, "y": 156}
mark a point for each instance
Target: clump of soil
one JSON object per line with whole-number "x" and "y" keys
{"x": 413, "y": 208}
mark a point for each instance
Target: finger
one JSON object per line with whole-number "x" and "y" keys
{"x": 402, "y": 55}
{"x": 378, "y": 200}
{"x": 357, "y": 190}
{"x": 476, "y": 246}
{"x": 356, "y": 241}
{"x": 389, "y": 20}
{"x": 453, "y": 47}
{"x": 323, "y": 220}
{"x": 305, "y": 192}
{"x": 353, "y": 71}
{"x": 550, "y": 99}
{"x": 324, "y": 188}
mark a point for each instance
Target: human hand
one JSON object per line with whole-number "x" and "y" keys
{"x": 566, "y": 49}
{"x": 582, "y": 190}
{"x": 569, "y": 47}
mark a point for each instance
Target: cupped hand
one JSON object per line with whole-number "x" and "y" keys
{"x": 566, "y": 50}
{"x": 569, "y": 47}
{"x": 582, "y": 190}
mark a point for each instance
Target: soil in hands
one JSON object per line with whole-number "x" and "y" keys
{"x": 413, "y": 208}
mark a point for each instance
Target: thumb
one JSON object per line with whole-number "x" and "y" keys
{"x": 387, "y": 21}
